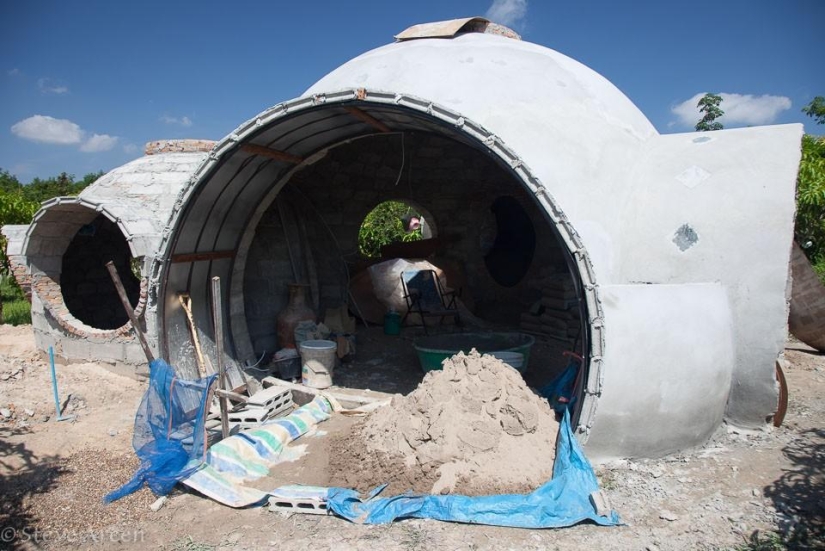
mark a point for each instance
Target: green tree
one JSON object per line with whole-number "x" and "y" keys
{"x": 63, "y": 185}
{"x": 816, "y": 109}
{"x": 810, "y": 202}
{"x": 709, "y": 105}
{"x": 383, "y": 226}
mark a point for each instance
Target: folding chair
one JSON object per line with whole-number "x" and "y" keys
{"x": 426, "y": 297}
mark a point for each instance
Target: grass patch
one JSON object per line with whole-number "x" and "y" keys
{"x": 819, "y": 268}
{"x": 16, "y": 309}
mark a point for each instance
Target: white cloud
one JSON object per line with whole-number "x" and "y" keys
{"x": 99, "y": 142}
{"x": 13, "y": 72}
{"x": 507, "y": 12}
{"x": 183, "y": 121}
{"x": 740, "y": 109}
{"x": 45, "y": 129}
{"x": 130, "y": 148}
{"x": 48, "y": 86}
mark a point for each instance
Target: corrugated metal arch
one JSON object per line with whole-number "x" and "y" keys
{"x": 280, "y": 127}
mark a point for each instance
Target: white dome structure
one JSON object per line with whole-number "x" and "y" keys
{"x": 677, "y": 245}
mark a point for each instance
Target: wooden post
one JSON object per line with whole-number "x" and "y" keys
{"x": 129, "y": 310}
{"x": 217, "y": 316}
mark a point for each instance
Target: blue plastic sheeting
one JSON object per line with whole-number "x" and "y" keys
{"x": 168, "y": 432}
{"x": 559, "y": 391}
{"x": 563, "y": 501}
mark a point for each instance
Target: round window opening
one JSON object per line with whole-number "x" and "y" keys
{"x": 88, "y": 291}
{"x": 393, "y": 222}
{"x": 511, "y": 253}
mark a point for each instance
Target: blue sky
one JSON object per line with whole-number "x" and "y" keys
{"x": 83, "y": 85}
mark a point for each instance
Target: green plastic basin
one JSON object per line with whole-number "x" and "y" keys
{"x": 434, "y": 349}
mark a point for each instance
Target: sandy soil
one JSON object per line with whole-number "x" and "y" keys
{"x": 738, "y": 487}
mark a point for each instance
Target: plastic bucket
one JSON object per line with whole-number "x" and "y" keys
{"x": 317, "y": 363}
{"x": 392, "y": 323}
{"x": 513, "y": 359}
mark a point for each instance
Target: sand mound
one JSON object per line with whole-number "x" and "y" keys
{"x": 473, "y": 428}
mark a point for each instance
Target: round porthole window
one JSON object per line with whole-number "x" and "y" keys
{"x": 511, "y": 254}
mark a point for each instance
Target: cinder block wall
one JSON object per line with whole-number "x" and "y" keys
{"x": 452, "y": 182}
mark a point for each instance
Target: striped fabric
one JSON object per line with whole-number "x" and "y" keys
{"x": 249, "y": 455}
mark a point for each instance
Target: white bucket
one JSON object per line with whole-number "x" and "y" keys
{"x": 317, "y": 363}
{"x": 513, "y": 359}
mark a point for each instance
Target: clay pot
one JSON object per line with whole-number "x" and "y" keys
{"x": 295, "y": 312}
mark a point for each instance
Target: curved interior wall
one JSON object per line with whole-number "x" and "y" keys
{"x": 457, "y": 185}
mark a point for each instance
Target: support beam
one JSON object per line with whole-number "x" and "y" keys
{"x": 367, "y": 118}
{"x": 272, "y": 153}
{"x": 200, "y": 257}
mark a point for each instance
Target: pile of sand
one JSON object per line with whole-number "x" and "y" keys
{"x": 473, "y": 428}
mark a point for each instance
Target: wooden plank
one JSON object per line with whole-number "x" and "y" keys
{"x": 272, "y": 153}
{"x": 186, "y": 303}
{"x": 217, "y": 312}
{"x": 121, "y": 292}
{"x": 200, "y": 257}
{"x": 346, "y": 400}
{"x": 367, "y": 118}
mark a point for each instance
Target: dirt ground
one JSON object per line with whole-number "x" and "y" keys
{"x": 738, "y": 488}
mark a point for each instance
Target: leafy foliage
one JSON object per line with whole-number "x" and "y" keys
{"x": 383, "y": 226}
{"x": 816, "y": 109}
{"x": 810, "y": 199}
{"x": 709, "y": 105}
{"x": 15, "y": 310}
{"x": 18, "y": 203}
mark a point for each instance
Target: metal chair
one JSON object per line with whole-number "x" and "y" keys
{"x": 426, "y": 297}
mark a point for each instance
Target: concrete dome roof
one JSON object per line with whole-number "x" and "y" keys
{"x": 506, "y": 84}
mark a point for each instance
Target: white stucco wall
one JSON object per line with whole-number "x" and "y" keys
{"x": 627, "y": 191}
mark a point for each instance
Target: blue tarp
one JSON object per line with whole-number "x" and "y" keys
{"x": 559, "y": 391}
{"x": 563, "y": 501}
{"x": 168, "y": 432}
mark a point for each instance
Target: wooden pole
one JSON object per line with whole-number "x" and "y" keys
{"x": 217, "y": 316}
{"x": 129, "y": 310}
{"x": 186, "y": 303}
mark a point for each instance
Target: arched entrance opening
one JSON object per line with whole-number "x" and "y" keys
{"x": 283, "y": 200}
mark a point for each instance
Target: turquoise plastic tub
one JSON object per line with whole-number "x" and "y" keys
{"x": 433, "y": 350}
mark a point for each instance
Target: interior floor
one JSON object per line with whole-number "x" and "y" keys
{"x": 390, "y": 364}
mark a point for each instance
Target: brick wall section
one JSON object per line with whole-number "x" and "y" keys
{"x": 21, "y": 274}
{"x": 179, "y": 146}
{"x": 51, "y": 297}
{"x": 15, "y": 235}
{"x": 807, "y": 315}
{"x": 454, "y": 183}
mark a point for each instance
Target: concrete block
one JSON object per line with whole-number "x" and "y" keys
{"x": 76, "y": 349}
{"x": 43, "y": 340}
{"x": 133, "y": 353}
{"x": 39, "y": 322}
{"x": 150, "y": 189}
{"x": 110, "y": 351}
{"x": 14, "y": 247}
{"x": 141, "y": 226}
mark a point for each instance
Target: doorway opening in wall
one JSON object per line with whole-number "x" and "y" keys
{"x": 510, "y": 250}
{"x": 391, "y": 223}
{"x": 347, "y": 171}
{"x": 87, "y": 288}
